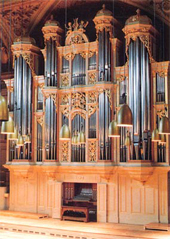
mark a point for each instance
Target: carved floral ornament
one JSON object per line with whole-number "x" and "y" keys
{"x": 145, "y": 39}
{"x": 78, "y": 100}
{"x": 162, "y": 74}
{"x": 54, "y": 97}
{"x": 92, "y": 109}
{"x": 71, "y": 55}
{"x": 92, "y": 78}
{"x": 65, "y": 151}
{"x": 92, "y": 97}
{"x": 92, "y": 151}
{"x": 65, "y": 111}
{"x": 64, "y": 80}
{"x": 65, "y": 99}
{"x": 81, "y": 113}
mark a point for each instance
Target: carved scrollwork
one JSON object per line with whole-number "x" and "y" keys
{"x": 91, "y": 109}
{"x": 78, "y": 100}
{"x": 65, "y": 152}
{"x": 29, "y": 58}
{"x": 92, "y": 151}
{"x": 40, "y": 120}
{"x": 54, "y": 98}
{"x": 65, "y": 111}
{"x": 82, "y": 114}
{"x": 83, "y": 54}
{"x": 92, "y": 97}
{"x": 65, "y": 99}
{"x": 92, "y": 78}
{"x": 68, "y": 56}
{"x": 120, "y": 78}
{"x": 91, "y": 53}
{"x": 77, "y": 39}
{"x": 65, "y": 80}
{"x": 108, "y": 93}
{"x": 162, "y": 74}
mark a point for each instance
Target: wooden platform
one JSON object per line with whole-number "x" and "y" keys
{"x": 157, "y": 226}
{"x": 54, "y": 228}
{"x": 23, "y": 214}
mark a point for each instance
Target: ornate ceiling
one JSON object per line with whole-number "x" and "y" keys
{"x": 25, "y": 16}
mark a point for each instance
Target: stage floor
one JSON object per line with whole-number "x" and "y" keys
{"x": 15, "y": 227}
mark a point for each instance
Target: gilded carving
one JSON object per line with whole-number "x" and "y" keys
{"x": 77, "y": 39}
{"x": 92, "y": 97}
{"x": 40, "y": 120}
{"x": 78, "y": 100}
{"x": 92, "y": 151}
{"x": 83, "y": 54}
{"x": 75, "y": 32}
{"x": 64, "y": 80}
{"x": 29, "y": 58}
{"x": 120, "y": 78}
{"x": 82, "y": 114}
{"x": 65, "y": 152}
{"x": 91, "y": 109}
{"x": 76, "y": 26}
{"x": 69, "y": 56}
{"x": 91, "y": 53}
{"x": 108, "y": 93}
{"x": 53, "y": 97}
{"x": 65, "y": 111}
{"x": 92, "y": 78}
{"x": 65, "y": 99}
{"x": 20, "y": 16}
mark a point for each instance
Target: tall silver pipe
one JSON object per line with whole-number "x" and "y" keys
{"x": 29, "y": 100}
{"x": 15, "y": 92}
{"x": 24, "y": 99}
{"x": 148, "y": 91}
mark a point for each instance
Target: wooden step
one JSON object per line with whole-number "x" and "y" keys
{"x": 158, "y": 226}
{"x": 23, "y": 214}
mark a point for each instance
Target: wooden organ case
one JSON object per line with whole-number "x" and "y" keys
{"x": 87, "y": 174}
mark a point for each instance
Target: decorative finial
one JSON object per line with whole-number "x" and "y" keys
{"x": 104, "y": 6}
{"x": 138, "y": 12}
{"x": 51, "y": 17}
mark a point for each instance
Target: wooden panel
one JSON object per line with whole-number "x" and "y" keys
{"x": 123, "y": 193}
{"x": 149, "y": 199}
{"x": 112, "y": 203}
{"x": 57, "y": 202}
{"x": 41, "y": 192}
{"x": 136, "y": 199}
{"x": 21, "y": 196}
{"x": 163, "y": 198}
{"x": 101, "y": 202}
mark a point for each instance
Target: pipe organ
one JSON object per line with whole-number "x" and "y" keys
{"x": 69, "y": 109}
{"x": 83, "y": 88}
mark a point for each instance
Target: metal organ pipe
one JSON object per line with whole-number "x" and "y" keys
{"x": 24, "y": 99}
{"x": 51, "y": 63}
{"x": 139, "y": 96}
{"x": 104, "y": 56}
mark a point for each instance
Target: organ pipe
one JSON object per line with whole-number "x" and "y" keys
{"x": 51, "y": 63}
{"x": 104, "y": 56}
{"x": 139, "y": 97}
{"x": 104, "y": 120}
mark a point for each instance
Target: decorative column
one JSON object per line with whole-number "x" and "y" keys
{"x": 139, "y": 35}
{"x": 52, "y": 37}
